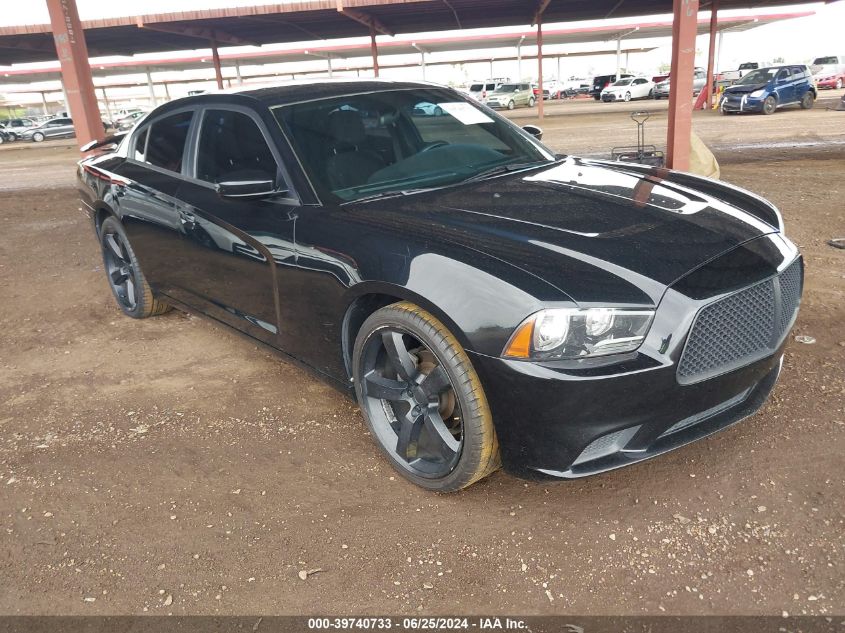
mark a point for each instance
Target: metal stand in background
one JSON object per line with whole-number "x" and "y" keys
{"x": 642, "y": 153}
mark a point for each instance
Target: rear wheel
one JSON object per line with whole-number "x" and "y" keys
{"x": 839, "y": 83}
{"x": 124, "y": 274}
{"x": 531, "y": 102}
{"x": 422, "y": 399}
{"x": 38, "y": 137}
{"x": 438, "y": 111}
{"x": 769, "y": 105}
{"x": 807, "y": 100}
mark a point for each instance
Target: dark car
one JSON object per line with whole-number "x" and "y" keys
{"x": 767, "y": 89}
{"x": 60, "y": 127}
{"x": 600, "y": 82}
{"x": 484, "y": 300}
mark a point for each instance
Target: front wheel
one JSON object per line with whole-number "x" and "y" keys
{"x": 511, "y": 105}
{"x": 627, "y": 96}
{"x": 124, "y": 274}
{"x": 37, "y": 137}
{"x": 807, "y": 100}
{"x": 838, "y": 84}
{"x": 769, "y": 105}
{"x": 531, "y": 102}
{"x": 422, "y": 399}
{"x": 438, "y": 111}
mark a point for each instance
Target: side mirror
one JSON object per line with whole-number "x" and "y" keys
{"x": 249, "y": 189}
{"x": 534, "y": 131}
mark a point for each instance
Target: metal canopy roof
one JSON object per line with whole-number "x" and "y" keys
{"x": 320, "y": 19}
{"x": 430, "y": 44}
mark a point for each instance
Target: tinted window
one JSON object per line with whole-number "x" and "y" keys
{"x": 476, "y": 87}
{"x": 166, "y": 144}
{"x": 139, "y": 150}
{"x": 232, "y": 147}
{"x": 822, "y": 61}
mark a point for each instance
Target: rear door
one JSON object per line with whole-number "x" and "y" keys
{"x": 234, "y": 248}
{"x": 785, "y": 86}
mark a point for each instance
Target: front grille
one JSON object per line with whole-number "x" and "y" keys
{"x": 742, "y": 327}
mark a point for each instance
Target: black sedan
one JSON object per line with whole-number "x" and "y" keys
{"x": 486, "y": 301}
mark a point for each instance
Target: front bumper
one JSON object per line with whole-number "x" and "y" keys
{"x": 741, "y": 103}
{"x": 570, "y": 419}
{"x": 610, "y": 96}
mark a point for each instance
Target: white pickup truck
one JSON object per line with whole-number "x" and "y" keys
{"x": 730, "y": 76}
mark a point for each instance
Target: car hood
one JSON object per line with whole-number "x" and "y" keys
{"x": 597, "y": 231}
{"x": 745, "y": 88}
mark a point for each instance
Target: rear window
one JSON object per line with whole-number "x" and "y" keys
{"x": 476, "y": 87}
{"x": 166, "y": 144}
{"x": 824, "y": 61}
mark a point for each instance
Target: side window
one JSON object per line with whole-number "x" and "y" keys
{"x": 783, "y": 74}
{"x": 166, "y": 141}
{"x": 139, "y": 149}
{"x": 232, "y": 147}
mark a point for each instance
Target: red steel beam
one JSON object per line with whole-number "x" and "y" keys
{"x": 684, "y": 31}
{"x": 374, "y": 50}
{"x": 76, "y": 72}
{"x": 215, "y": 57}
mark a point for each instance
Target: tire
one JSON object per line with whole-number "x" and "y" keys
{"x": 13, "y": 136}
{"x": 2, "y": 139}
{"x": 511, "y": 105}
{"x": 124, "y": 275}
{"x": 37, "y": 137}
{"x": 531, "y": 102}
{"x": 627, "y": 96}
{"x": 438, "y": 111}
{"x": 651, "y": 93}
{"x": 449, "y": 439}
{"x": 839, "y": 84}
{"x": 807, "y": 100}
{"x": 769, "y": 105}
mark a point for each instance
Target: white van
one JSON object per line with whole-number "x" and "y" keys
{"x": 829, "y": 72}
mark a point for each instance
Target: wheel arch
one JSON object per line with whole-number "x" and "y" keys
{"x": 365, "y": 298}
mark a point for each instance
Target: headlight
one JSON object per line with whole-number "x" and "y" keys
{"x": 568, "y": 333}
{"x": 757, "y": 93}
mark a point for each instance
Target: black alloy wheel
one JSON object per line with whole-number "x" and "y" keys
{"x": 422, "y": 399}
{"x": 126, "y": 280}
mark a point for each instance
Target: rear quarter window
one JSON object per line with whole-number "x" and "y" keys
{"x": 166, "y": 143}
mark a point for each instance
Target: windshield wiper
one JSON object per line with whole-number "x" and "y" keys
{"x": 389, "y": 194}
{"x": 502, "y": 169}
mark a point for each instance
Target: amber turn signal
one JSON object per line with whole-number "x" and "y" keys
{"x": 520, "y": 344}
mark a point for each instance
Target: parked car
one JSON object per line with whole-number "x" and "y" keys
{"x": 829, "y": 72}
{"x": 59, "y": 127}
{"x": 661, "y": 90}
{"x": 767, "y": 89}
{"x": 15, "y": 127}
{"x": 628, "y": 89}
{"x": 732, "y": 76}
{"x": 4, "y": 135}
{"x": 424, "y": 108}
{"x": 128, "y": 121}
{"x": 624, "y": 312}
{"x": 480, "y": 90}
{"x": 511, "y": 95}
{"x": 603, "y": 81}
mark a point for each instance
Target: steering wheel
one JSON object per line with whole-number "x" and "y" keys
{"x": 433, "y": 145}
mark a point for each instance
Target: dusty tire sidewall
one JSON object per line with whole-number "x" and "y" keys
{"x": 113, "y": 225}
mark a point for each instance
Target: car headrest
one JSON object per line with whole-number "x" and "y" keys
{"x": 346, "y": 126}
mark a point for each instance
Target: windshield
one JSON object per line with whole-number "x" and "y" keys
{"x": 622, "y": 82}
{"x": 507, "y": 88}
{"x": 762, "y": 76}
{"x": 396, "y": 140}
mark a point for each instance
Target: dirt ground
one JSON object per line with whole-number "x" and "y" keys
{"x": 169, "y": 466}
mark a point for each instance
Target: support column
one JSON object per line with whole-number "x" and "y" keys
{"x": 329, "y": 63}
{"x": 422, "y": 63}
{"x": 215, "y": 57}
{"x": 618, "y": 55}
{"x": 711, "y": 54}
{"x": 684, "y": 29}
{"x": 558, "y": 70}
{"x": 76, "y": 71}
{"x": 719, "y": 49}
{"x": 238, "y": 73}
{"x": 166, "y": 91}
{"x": 44, "y": 107}
{"x": 64, "y": 98}
{"x": 491, "y": 70}
{"x": 519, "y": 58}
{"x": 540, "y": 65}
{"x": 374, "y": 50}
{"x": 151, "y": 89}
{"x": 106, "y": 103}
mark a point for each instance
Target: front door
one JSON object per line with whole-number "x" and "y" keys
{"x": 785, "y": 87}
{"x": 233, "y": 248}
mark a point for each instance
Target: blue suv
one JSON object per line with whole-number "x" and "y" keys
{"x": 767, "y": 89}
